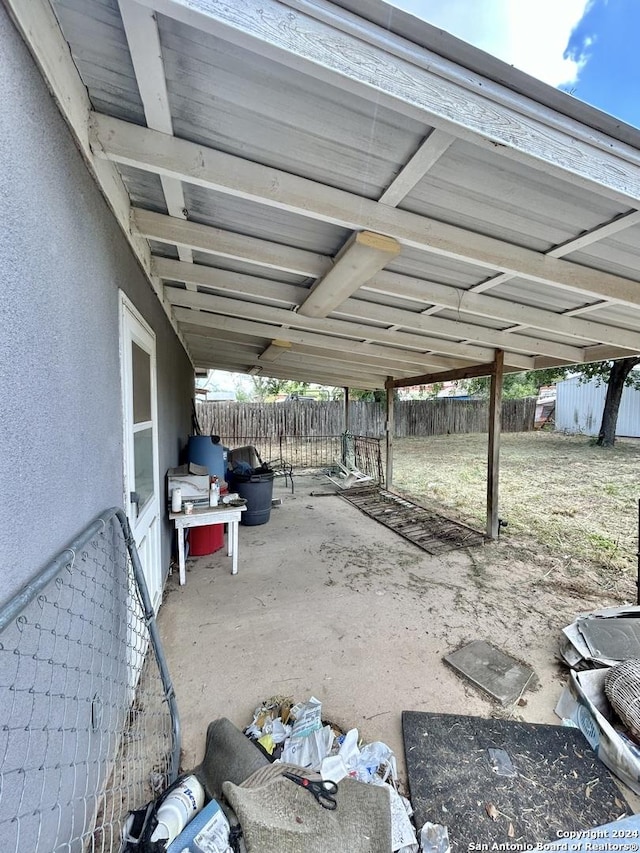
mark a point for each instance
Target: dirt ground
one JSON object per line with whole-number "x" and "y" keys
{"x": 329, "y": 602}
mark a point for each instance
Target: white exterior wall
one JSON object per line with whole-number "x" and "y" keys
{"x": 579, "y": 407}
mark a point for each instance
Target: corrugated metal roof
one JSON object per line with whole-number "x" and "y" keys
{"x": 524, "y": 292}
{"x": 260, "y": 220}
{"x": 99, "y": 47}
{"x": 430, "y": 267}
{"x": 619, "y": 255}
{"x": 249, "y": 269}
{"x": 618, "y": 315}
{"x": 278, "y": 110}
{"x": 236, "y": 101}
{"x": 144, "y": 188}
{"x": 480, "y": 190}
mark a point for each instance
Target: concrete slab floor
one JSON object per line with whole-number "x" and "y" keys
{"x": 328, "y": 602}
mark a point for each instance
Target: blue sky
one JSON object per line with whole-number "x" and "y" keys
{"x": 586, "y": 47}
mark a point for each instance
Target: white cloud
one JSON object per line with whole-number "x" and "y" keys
{"x": 530, "y": 34}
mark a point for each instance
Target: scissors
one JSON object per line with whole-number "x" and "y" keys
{"x": 323, "y": 791}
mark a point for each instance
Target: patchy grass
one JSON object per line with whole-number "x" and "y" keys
{"x": 562, "y": 496}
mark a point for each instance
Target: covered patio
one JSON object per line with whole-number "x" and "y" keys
{"x": 356, "y": 616}
{"x": 340, "y": 193}
{"x": 336, "y": 192}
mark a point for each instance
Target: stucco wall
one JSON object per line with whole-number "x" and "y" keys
{"x": 62, "y": 260}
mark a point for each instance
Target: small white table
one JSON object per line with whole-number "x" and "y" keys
{"x": 222, "y": 514}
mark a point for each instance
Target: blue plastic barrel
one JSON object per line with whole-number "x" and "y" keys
{"x": 203, "y": 451}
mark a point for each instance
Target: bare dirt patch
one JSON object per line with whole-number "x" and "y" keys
{"x": 571, "y": 507}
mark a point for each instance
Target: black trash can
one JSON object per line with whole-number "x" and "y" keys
{"x": 257, "y": 490}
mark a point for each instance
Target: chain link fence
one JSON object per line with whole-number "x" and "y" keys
{"x": 89, "y": 727}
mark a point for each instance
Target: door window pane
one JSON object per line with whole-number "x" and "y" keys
{"x": 143, "y": 464}
{"x": 141, "y": 384}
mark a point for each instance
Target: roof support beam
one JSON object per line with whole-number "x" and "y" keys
{"x": 363, "y": 255}
{"x": 275, "y": 350}
{"x": 360, "y": 310}
{"x": 493, "y": 450}
{"x": 165, "y": 155}
{"x": 39, "y": 27}
{"x": 332, "y": 361}
{"x": 446, "y": 376}
{"x": 338, "y": 348}
{"x": 416, "y": 83}
{"x": 275, "y": 256}
{"x": 417, "y": 167}
{"x": 268, "y": 314}
{"x": 604, "y": 353}
{"x": 389, "y": 431}
{"x": 305, "y": 374}
{"x": 471, "y": 302}
{"x": 235, "y": 283}
{"x": 588, "y": 238}
{"x": 143, "y": 38}
{"x": 227, "y": 244}
{"x": 332, "y": 368}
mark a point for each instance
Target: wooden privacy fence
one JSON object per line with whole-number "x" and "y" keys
{"x": 326, "y": 418}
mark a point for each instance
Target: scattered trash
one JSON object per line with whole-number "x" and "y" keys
{"x": 315, "y": 745}
{"x": 501, "y": 763}
{"x": 584, "y": 702}
{"x": 403, "y": 836}
{"x": 242, "y": 793}
{"x": 309, "y": 750}
{"x": 622, "y": 687}
{"x": 208, "y": 832}
{"x": 602, "y": 648}
{"x": 271, "y": 724}
{"x": 434, "y": 838}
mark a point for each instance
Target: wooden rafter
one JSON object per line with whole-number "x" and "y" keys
{"x": 386, "y": 69}
{"x": 342, "y": 349}
{"x": 269, "y": 314}
{"x": 143, "y": 38}
{"x": 156, "y": 152}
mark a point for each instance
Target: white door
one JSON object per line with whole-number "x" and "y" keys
{"x": 141, "y": 476}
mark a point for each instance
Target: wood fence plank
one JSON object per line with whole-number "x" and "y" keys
{"x": 272, "y": 421}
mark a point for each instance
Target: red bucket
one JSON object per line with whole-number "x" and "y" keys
{"x": 205, "y": 540}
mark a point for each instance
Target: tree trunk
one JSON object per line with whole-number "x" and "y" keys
{"x": 619, "y": 372}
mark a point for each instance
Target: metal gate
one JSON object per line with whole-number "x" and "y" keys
{"x": 89, "y": 726}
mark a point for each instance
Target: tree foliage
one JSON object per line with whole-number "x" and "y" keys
{"x": 516, "y": 385}
{"x": 267, "y": 386}
{"x": 601, "y": 372}
{"x": 617, "y": 375}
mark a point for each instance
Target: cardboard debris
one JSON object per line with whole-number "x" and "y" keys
{"x": 602, "y": 638}
{"x": 585, "y": 704}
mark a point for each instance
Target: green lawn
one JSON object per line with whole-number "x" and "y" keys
{"x": 561, "y": 495}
